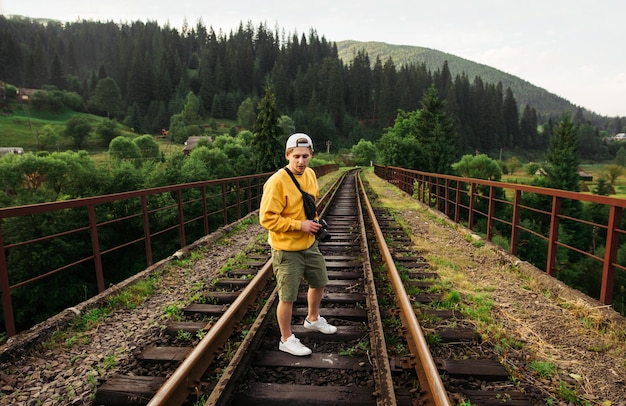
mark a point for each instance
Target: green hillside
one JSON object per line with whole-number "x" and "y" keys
{"x": 525, "y": 92}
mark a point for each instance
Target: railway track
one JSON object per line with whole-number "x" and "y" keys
{"x": 235, "y": 359}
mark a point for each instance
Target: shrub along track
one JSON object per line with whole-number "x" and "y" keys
{"x": 585, "y": 342}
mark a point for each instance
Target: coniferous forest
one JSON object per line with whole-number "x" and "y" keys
{"x": 155, "y": 67}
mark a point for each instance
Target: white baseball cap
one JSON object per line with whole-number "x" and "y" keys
{"x": 299, "y": 140}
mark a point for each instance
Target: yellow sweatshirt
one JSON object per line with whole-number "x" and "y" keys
{"x": 282, "y": 211}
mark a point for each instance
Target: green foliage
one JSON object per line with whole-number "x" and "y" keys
{"x": 614, "y": 171}
{"x": 479, "y": 167}
{"x": 108, "y": 97}
{"x": 178, "y": 129}
{"x": 563, "y": 157}
{"x": 399, "y": 145}
{"x": 363, "y": 153}
{"x": 148, "y": 147}
{"x": 78, "y": 128}
{"x": 123, "y": 148}
{"x": 246, "y": 114}
{"x": 513, "y": 164}
{"x": 542, "y": 368}
{"x": 268, "y": 149}
{"x": 107, "y": 130}
{"x": 49, "y": 137}
{"x": 191, "y": 109}
{"x": 435, "y": 131}
{"x": 620, "y": 157}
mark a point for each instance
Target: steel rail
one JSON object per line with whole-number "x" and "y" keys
{"x": 382, "y": 368}
{"x": 186, "y": 378}
{"x": 430, "y": 381}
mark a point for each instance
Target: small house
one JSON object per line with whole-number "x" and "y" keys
{"x": 192, "y": 141}
{"x": 11, "y": 150}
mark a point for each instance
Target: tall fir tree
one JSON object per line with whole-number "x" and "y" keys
{"x": 436, "y": 132}
{"x": 267, "y": 131}
{"x": 562, "y": 156}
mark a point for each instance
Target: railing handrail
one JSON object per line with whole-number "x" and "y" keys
{"x": 249, "y": 203}
{"x": 436, "y": 190}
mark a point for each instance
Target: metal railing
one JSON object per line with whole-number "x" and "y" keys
{"x": 503, "y": 209}
{"x": 104, "y": 226}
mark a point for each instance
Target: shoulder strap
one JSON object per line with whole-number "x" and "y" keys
{"x": 293, "y": 178}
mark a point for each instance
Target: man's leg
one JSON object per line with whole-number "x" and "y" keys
{"x": 314, "y": 298}
{"x": 284, "y": 310}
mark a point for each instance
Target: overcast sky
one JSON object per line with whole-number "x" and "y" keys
{"x": 574, "y": 49}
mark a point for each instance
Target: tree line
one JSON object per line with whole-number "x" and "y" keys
{"x": 141, "y": 73}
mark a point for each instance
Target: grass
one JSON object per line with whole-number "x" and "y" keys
{"x": 21, "y": 129}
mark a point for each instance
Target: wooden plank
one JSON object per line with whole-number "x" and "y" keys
{"x": 344, "y": 274}
{"x": 423, "y": 275}
{"x": 508, "y": 397}
{"x": 221, "y": 297}
{"x": 425, "y": 298}
{"x": 128, "y": 390}
{"x": 207, "y": 309}
{"x": 343, "y": 334}
{"x": 335, "y": 298}
{"x": 273, "y": 394}
{"x": 232, "y": 282}
{"x": 419, "y": 284}
{"x": 412, "y": 264}
{"x": 165, "y": 354}
{"x": 442, "y": 314}
{"x": 242, "y": 272}
{"x": 190, "y": 327}
{"x": 315, "y": 360}
{"x": 483, "y": 369}
{"x": 340, "y": 258}
{"x": 343, "y": 283}
{"x": 458, "y": 334}
{"x": 343, "y": 264}
{"x": 352, "y": 314}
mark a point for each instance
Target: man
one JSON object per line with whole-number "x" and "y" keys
{"x": 295, "y": 254}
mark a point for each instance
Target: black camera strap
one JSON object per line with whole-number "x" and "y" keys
{"x": 310, "y": 208}
{"x": 294, "y": 179}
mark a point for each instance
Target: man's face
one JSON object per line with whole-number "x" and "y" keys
{"x": 299, "y": 159}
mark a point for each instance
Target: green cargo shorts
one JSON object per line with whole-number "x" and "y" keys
{"x": 290, "y": 267}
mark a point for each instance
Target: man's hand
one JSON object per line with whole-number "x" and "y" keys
{"x": 310, "y": 226}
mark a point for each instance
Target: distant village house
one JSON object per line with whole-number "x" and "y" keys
{"x": 11, "y": 150}
{"x": 192, "y": 141}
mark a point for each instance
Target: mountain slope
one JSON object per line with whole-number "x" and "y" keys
{"x": 525, "y": 93}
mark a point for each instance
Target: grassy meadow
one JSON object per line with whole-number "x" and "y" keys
{"x": 22, "y": 128}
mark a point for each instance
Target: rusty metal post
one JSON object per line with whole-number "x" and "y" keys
{"x": 515, "y": 221}
{"x": 95, "y": 246}
{"x": 470, "y": 214}
{"x": 5, "y": 290}
{"x": 181, "y": 219}
{"x": 554, "y": 236}
{"x": 490, "y": 212}
{"x": 457, "y": 203}
{"x": 610, "y": 254}
{"x": 205, "y": 212}
{"x": 224, "y": 207}
{"x": 146, "y": 229}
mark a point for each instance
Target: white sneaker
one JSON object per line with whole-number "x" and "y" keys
{"x": 320, "y": 325}
{"x": 294, "y": 347}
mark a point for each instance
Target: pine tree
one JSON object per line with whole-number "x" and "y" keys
{"x": 269, "y": 152}
{"x": 435, "y": 131}
{"x": 562, "y": 156}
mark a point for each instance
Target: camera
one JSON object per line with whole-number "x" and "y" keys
{"x": 322, "y": 234}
